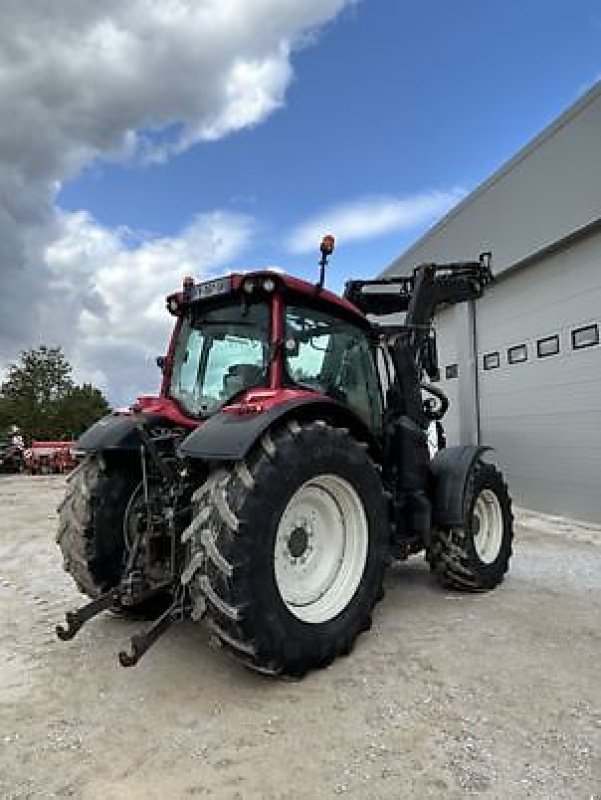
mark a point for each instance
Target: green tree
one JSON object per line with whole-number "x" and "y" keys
{"x": 39, "y": 395}
{"x": 79, "y": 409}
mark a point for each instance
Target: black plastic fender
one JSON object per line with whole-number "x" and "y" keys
{"x": 113, "y": 432}
{"x": 450, "y": 469}
{"x": 229, "y": 437}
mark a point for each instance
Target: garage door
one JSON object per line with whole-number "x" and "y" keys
{"x": 539, "y": 380}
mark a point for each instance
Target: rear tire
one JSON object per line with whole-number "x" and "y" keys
{"x": 475, "y": 557}
{"x": 288, "y": 549}
{"x": 91, "y": 531}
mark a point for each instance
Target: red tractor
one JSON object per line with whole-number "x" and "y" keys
{"x": 282, "y": 466}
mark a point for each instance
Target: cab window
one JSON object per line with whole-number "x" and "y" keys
{"x": 335, "y": 357}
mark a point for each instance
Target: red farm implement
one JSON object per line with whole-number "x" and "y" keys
{"x": 45, "y": 458}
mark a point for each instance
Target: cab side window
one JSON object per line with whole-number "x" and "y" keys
{"x": 334, "y": 357}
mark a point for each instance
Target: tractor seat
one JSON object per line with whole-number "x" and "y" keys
{"x": 241, "y": 376}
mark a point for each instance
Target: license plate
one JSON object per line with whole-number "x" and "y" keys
{"x": 203, "y": 291}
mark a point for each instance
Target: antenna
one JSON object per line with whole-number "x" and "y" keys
{"x": 326, "y": 248}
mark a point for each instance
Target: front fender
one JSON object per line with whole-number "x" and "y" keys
{"x": 229, "y": 436}
{"x": 450, "y": 469}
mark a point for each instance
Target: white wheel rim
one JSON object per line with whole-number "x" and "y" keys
{"x": 488, "y": 526}
{"x": 321, "y": 548}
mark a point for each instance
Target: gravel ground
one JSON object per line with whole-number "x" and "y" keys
{"x": 449, "y": 696}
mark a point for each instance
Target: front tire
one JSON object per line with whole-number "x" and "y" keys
{"x": 475, "y": 557}
{"x": 288, "y": 549}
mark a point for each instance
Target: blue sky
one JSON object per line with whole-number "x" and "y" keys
{"x": 392, "y": 100}
{"x": 146, "y": 141}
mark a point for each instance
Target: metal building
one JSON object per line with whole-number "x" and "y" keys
{"x": 522, "y": 365}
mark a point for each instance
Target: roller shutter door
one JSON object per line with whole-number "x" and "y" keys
{"x": 541, "y": 405}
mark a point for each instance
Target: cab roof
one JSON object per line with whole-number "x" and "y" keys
{"x": 299, "y": 290}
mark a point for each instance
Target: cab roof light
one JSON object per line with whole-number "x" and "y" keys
{"x": 326, "y": 249}
{"x": 327, "y": 245}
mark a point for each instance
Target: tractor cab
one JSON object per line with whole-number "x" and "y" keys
{"x": 266, "y": 331}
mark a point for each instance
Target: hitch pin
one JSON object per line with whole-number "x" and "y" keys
{"x": 76, "y": 619}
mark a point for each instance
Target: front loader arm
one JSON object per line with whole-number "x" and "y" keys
{"x": 420, "y": 294}
{"x": 445, "y": 284}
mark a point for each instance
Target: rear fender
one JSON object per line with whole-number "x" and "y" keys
{"x": 113, "y": 432}
{"x": 230, "y": 436}
{"x": 117, "y": 432}
{"x": 450, "y": 469}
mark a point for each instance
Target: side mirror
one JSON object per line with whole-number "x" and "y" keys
{"x": 161, "y": 361}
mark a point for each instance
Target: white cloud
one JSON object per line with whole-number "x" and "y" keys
{"x": 132, "y": 80}
{"x": 81, "y": 79}
{"x": 370, "y": 217}
{"x": 112, "y": 293}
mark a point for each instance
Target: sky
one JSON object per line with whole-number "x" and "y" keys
{"x": 144, "y": 141}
